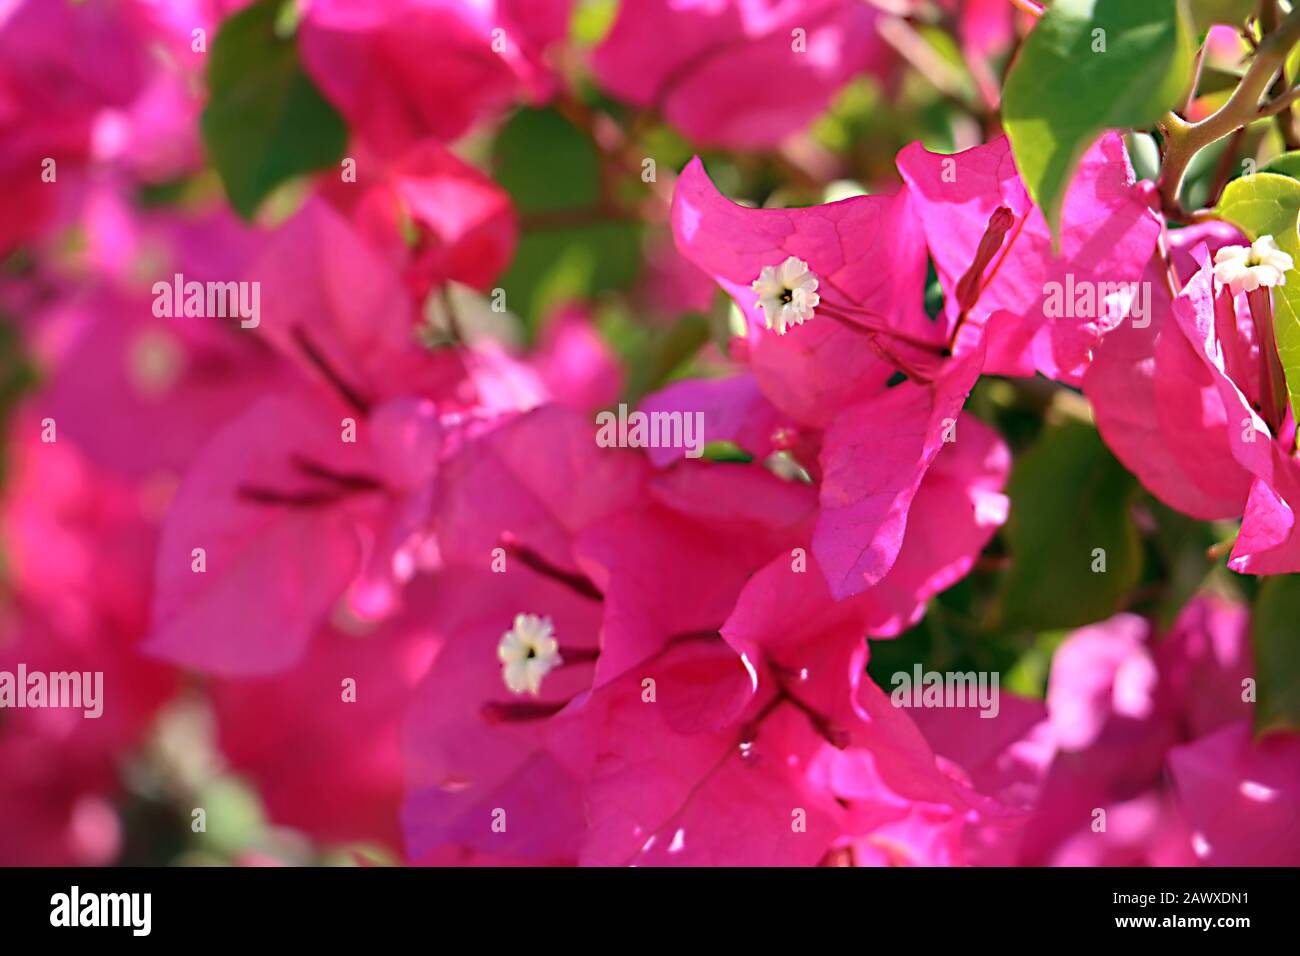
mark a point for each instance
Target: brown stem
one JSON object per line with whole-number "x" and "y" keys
{"x": 1279, "y": 106}
{"x": 1183, "y": 140}
{"x": 1223, "y": 170}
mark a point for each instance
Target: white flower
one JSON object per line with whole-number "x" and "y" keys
{"x": 787, "y": 294}
{"x": 1245, "y": 269}
{"x": 528, "y": 651}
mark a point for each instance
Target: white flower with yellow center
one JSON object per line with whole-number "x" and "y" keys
{"x": 528, "y": 651}
{"x": 1247, "y": 268}
{"x": 787, "y": 294}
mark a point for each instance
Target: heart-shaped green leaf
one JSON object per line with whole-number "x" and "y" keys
{"x": 1089, "y": 66}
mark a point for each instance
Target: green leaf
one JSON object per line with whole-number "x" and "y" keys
{"x": 1144, "y": 154}
{"x": 725, "y": 451}
{"x": 592, "y": 20}
{"x": 1028, "y": 676}
{"x": 265, "y": 121}
{"x": 17, "y": 376}
{"x": 947, "y": 638}
{"x": 1288, "y": 164}
{"x": 1267, "y": 204}
{"x": 1069, "y": 497}
{"x": 546, "y": 163}
{"x": 1202, "y": 173}
{"x": 1178, "y": 563}
{"x": 667, "y": 355}
{"x": 1215, "y": 80}
{"x": 234, "y": 814}
{"x": 557, "y": 265}
{"x": 1277, "y": 654}
{"x": 1206, "y": 13}
{"x": 1063, "y": 91}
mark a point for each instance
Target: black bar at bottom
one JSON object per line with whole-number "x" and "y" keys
{"x": 530, "y": 906}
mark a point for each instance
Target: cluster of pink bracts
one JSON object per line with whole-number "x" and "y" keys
{"x": 560, "y": 652}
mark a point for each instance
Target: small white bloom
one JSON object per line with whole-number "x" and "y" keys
{"x": 787, "y": 294}
{"x": 528, "y": 651}
{"x": 1245, "y": 269}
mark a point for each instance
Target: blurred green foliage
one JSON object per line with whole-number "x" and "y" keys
{"x": 265, "y": 121}
{"x": 1277, "y": 654}
{"x": 1074, "y": 547}
{"x": 575, "y": 242}
{"x": 1089, "y": 66}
